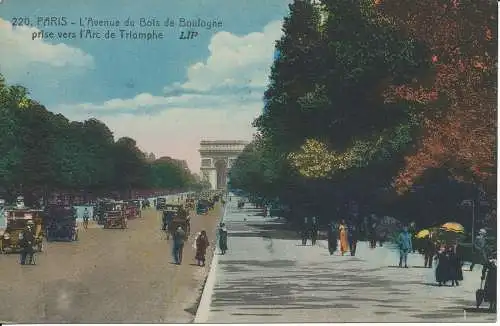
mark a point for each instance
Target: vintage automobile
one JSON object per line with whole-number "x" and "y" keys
{"x": 175, "y": 216}
{"x": 160, "y": 203}
{"x": 116, "y": 218}
{"x": 103, "y": 205}
{"x": 60, "y": 223}
{"x": 202, "y": 207}
{"x": 133, "y": 209}
{"x": 17, "y": 220}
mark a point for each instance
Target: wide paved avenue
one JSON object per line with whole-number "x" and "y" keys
{"x": 108, "y": 276}
{"x": 267, "y": 277}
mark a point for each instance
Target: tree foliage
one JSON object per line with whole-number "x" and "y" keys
{"x": 363, "y": 91}
{"x": 459, "y": 127}
{"x": 41, "y": 151}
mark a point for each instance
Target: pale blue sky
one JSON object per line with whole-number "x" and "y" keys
{"x": 142, "y": 88}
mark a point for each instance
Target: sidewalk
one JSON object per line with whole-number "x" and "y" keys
{"x": 264, "y": 279}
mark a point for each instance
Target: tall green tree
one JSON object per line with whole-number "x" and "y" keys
{"x": 293, "y": 75}
{"x": 42, "y": 152}
{"x": 329, "y": 134}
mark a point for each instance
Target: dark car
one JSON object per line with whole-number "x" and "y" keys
{"x": 202, "y": 207}
{"x": 160, "y": 203}
{"x": 60, "y": 223}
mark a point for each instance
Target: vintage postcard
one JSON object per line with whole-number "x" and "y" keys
{"x": 237, "y": 161}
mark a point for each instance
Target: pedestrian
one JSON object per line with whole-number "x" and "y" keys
{"x": 429, "y": 251}
{"x": 86, "y": 217}
{"x": 365, "y": 226}
{"x": 480, "y": 247}
{"x": 305, "y": 231}
{"x": 202, "y": 244}
{"x": 353, "y": 239}
{"x": 489, "y": 276}
{"x": 333, "y": 236}
{"x": 178, "y": 246}
{"x": 223, "y": 238}
{"x": 373, "y": 235}
{"x": 94, "y": 212}
{"x": 405, "y": 246}
{"x": 314, "y": 230}
{"x": 344, "y": 243}
{"x": 455, "y": 267}
{"x": 412, "y": 229}
{"x": 27, "y": 241}
{"x": 442, "y": 269}
{"x": 382, "y": 237}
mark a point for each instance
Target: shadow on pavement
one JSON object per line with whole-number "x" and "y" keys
{"x": 263, "y": 315}
{"x": 479, "y": 310}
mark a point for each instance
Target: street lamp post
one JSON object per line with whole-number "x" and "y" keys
{"x": 473, "y": 222}
{"x": 472, "y": 203}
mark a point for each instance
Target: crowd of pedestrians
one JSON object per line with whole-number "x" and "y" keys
{"x": 343, "y": 237}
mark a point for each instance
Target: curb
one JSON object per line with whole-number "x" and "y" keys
{"x": 206, "y": 296}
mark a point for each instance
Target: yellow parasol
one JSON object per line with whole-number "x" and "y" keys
{"x": 453, "y": 227}
{"x": 422, "y": 234}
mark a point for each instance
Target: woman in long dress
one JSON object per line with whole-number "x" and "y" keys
{"x": 223, "y": 238}
{"x": 344, "y": 243}
{"x": 332, "y": 238}
{"x": 201, "y": 248}
{"x": 442, "y": 269}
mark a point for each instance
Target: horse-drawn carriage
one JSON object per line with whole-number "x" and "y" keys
{"x": 173, "y": 217}
{"x": 17, "y": 221}
{"x": 60, "y": 223}
{"x": 115, "y": 216}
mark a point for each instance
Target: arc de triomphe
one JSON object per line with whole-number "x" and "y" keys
{"x": 217, "y": 157}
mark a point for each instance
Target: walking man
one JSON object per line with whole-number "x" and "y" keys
{"x": 178, "y": 247}
{"x": 405, "y": 246}
{"x": 333, "y": 236}
{"x": 314, "y": 230}
{"x": 86, "y": 217}
{"x": 353, "y": 239}
{"x": 27, "y": 241}
{"x": 223, "y": 238}
{"x": 429, "y": 251}
{"x": 305, "y": 231}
